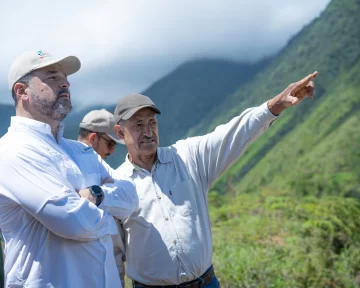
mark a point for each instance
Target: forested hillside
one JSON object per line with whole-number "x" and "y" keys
{"x": 287, "y": 214}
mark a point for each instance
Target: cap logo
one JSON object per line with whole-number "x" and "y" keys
{"x": 43, "y": 54}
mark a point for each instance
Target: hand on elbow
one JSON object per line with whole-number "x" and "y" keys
{"x": 86, "y": 194}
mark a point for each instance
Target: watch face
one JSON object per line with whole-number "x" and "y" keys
{"x": 96, "y": 190}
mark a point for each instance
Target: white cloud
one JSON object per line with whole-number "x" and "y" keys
{"x": 148, "y": 38}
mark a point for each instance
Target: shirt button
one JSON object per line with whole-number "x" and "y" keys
{"x": 174, "y": 241}
{"x": 159, "y": 197}
{"x": 166, "y": 218}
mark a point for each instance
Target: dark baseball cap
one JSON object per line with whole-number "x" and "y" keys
{"x": 130, "y": 104}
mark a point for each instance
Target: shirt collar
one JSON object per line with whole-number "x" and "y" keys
{"x": 86, "y": 147}
{"x": 163, "y": 156}
{"x": 23, "y": 123}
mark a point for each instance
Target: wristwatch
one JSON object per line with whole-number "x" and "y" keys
{"x": 97, "y": 192}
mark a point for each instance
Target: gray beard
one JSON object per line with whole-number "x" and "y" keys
{"x": 56, "y": 109}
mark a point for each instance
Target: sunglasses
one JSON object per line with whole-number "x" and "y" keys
{"x": 111, "y": 143}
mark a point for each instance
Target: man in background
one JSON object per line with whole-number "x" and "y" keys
{"x": 97, "y": 131}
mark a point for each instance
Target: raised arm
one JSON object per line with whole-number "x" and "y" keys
{"x": 215, "y": 152}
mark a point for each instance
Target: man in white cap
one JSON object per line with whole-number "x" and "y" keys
{"x": 97, "y": 131}
{"x": 56, "y": 215}
{"x": 167, "y": 241}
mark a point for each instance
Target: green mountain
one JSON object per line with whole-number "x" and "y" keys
{"x": 311, "y": 147}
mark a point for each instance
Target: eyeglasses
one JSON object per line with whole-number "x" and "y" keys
{"x": 111, "y": 143}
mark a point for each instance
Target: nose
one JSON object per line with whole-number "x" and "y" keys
{"x": 64, "y": 83}
{"x": 147, "y": 131}
{"x": 112, "y": 149}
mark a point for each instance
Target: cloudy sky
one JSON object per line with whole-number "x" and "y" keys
{"x": 124, "y": 46}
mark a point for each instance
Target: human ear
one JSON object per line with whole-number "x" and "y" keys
{"x": 119, "y": 130}
{"x": 21, "y": 92}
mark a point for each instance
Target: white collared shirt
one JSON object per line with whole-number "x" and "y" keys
{"x": 53, "y": 237}
{"x": 168, "y": 240}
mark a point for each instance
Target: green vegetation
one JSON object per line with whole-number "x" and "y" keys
{"x": 274, "y": 239}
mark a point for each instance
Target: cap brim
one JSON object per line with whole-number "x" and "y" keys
{"x": 115, "y": 138}
{"x": 69, "y": 64}
{"x": 132, "y": 111}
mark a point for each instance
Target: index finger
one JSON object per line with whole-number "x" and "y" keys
{"x": 305, "y": 81}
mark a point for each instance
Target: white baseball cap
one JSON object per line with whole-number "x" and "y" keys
{"x": 33, "y": 60}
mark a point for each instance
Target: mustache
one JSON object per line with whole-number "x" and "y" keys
{"x": 147, "y": 138}
{"x": 63, "y": 90}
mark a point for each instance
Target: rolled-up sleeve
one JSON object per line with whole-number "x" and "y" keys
{"x": 33, "y": 181}
{"x": 215, "y": 152}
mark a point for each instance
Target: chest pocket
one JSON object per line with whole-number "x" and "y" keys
{"x": 184, "y": 198}
{"x": 68, "y": 170}
{"x": 89, "y": 167}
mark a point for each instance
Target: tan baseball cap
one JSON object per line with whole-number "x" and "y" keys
{"x": 100, "y": 121}
{"x": 33, "y": 60}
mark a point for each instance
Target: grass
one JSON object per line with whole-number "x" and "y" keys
{"x": 278, "y": 240}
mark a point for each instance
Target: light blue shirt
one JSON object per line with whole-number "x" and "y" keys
{"x": 168, "y": 239}
{"x": 53, "y": 237}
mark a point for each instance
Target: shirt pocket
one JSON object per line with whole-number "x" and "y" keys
{"x": 92, "y": 179}
{"x": 183, "y": 197}
{"x": 89, "y": 167}
{"x": 68, "y": 170}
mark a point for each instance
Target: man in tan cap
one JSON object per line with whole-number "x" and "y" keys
{"x": 168, "y": 241}
{"x": 97, "y": 131}
{"x": 55, "y": 210}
